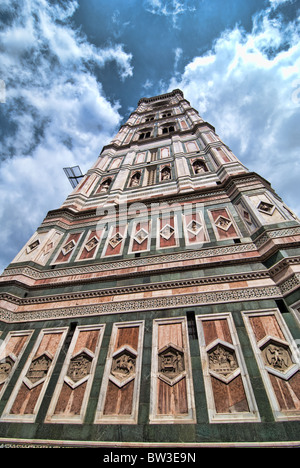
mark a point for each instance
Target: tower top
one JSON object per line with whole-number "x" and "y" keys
{"x": 161, "y": 96}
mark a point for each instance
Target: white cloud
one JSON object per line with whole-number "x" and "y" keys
{"x": 168, "y": 8}
{"x": 56, "y": 112}
{"x": 248, "y": 87}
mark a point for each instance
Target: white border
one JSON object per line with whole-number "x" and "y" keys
{"x": 75, "y": 419}
{"x": 214, "y": 417}
{"x": 132, "y": 418}
{"x": 29, "y": 418}
{"x": 278, "y": 414}
{"x": 190, "y": 417}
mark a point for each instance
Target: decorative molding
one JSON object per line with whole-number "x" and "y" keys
{"x": 175, "y": 301}
{"x": 137, "y": 288}
{"x": 132, "y": 263}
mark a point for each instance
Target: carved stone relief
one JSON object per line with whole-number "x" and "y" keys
{"x": 38, "y": 368}
{"x": 68, "y": 247}
{"x": 167, "y": 232}
{"x": 123, "y": 366}
{"x": 91, "y": 244}
{"x": 223, "y": 223}
{"x": 277, "y": 356}
{"x": 222, "y": 360}
{"x": 171, "y": 365}
{"x": 34, "y": 245}
{"x": 194, "y": 227}
{"x": 79, "y": 367}
{"x": 140, "y": 236}
{"x": 266, "y": 208}
{"x": 6, "y": 366}
{"x": 115, "y": 240}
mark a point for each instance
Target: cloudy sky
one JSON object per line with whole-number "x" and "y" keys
{"x": 71, "y": 71}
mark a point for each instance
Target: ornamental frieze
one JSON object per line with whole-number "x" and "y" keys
{"x": 196, "y": 299}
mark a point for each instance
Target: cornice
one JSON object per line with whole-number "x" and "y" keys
{"x": 160, "y": 97}
{"x": 143, "y": 305}
{"x": 179, "y": 132}
{"x": 228, "y": 183}
{"x": 137, "y": 288}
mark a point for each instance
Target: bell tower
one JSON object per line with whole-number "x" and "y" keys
{"x": 161, "y": 298}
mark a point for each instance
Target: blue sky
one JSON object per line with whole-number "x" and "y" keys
{"x": 71, "y": 72}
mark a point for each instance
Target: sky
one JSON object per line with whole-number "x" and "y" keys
{"x": 72, "y": 71}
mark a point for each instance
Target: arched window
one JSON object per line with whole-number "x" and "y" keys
{"x": 199, "y": 167}
{"x": 135, "y": 179}
{"x": 166, "y": 173}
{"x": 168, "y": 128}
{"x": 105, "y": 185}
{"x": 145, "y": 133}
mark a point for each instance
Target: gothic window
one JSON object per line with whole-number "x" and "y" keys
{"x": 153, "y": 154}
{"x": 166, "y": 114}
{"x": 199, "y": 167}
{"x": 168, "y": 128}
{"x": 149, "y": 118}
{"x": 145, "y": 133}
{"x": 160, "y": 104}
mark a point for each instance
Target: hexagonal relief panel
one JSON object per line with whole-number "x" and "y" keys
{"x": 6, "y": 366}
{"x": 38, "y": 370}
{"x": 277, "y": 357}
{"x": 171, "y": 366}
{"x": 123, "y": 367}
{"x": 79, "y": 368}
{"x": 222, "y": 360}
